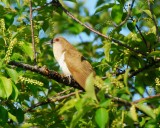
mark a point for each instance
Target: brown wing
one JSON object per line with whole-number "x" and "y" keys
{"x": 78, "y": 66}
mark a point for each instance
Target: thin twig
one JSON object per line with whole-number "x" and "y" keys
{"x": 60, "y": 93}
{"x": 147, "y": 98}
{"x": 131, "y": 18}
{"x": 144, "y": 68}
{"x": 119, "y": 100}
{"x": 51, "y": 100}
{"x": 154, "y": 21}
{"x": 144, "y": 40}
{"x": 32, "y": 31}
{"x": 128, "y": 15}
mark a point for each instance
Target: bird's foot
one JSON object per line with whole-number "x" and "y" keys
{"x": 69, "y": 78}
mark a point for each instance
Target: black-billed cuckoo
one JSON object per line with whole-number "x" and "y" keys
{"x": 71, "y": 61}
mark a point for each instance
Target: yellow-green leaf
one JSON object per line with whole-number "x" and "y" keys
{"x": 146, "y": 109}
{"x": 107, "y": 48}
{"x": 89, "y": 87}
{"x": 133, "y": 113}
{"x": 13, "y": 74}
{"x": 154, "y": 53}
{"x": 5, "y": 87}
{"x": 148, "y": 13}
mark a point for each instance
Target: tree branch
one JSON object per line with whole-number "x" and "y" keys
{"x": 32, "y": 31}
{"x": 59, "y": 78}
{"x": 48, "y": 73}
{"x": 147, "y": 98}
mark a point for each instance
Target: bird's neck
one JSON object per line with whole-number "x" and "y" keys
{"x": 58, "y": 50}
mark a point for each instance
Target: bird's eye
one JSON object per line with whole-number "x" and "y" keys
{"x": 57, "y": 39}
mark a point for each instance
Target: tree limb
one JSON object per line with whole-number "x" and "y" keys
{"x": 48, "y": 73}
{"x": 32, "y": 31}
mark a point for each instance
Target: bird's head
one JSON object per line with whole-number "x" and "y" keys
{"x": 58, "y": 40}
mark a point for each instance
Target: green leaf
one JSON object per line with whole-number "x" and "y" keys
{"x": 15, "y": 92}
{"x": 19, "y": 115}
{"x": 106, "y": 103}
{"x": 9, "y": 18}
{"x": 27, "y": 48}
{"x": 131, "y": 26}
{"x": 139, "y": 84}
{"x": 82, "y": 106}
{"x": 126, "y": 77}
{"x": 133, "y": 114}
{"x": 148, "y": 12}
{"x": 17, "y": 56}
{"x": 142, "y": 122}
{"x": 102, "y": 117}
{"x": 68, "y": 105}
{"x": 107, "y": 48}
{"x": 146, "y": 109}
{"x": 77, "y": 116}
{"x": 117, "y": 13}
{"x": 152, "y": 123}
{"x": 13, "y": 74}
{"x": 12, "y": 117}
{"x": 154, "y": 53}
{"x": 104, "y": 7}
{"x": 3, "y": 115}
{"x": 5, "y": 87}
{"x": 89, "y": 87}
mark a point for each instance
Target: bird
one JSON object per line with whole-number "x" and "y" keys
{"x": 71, "y": 61}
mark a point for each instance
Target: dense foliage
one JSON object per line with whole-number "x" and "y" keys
{"x": 121, "y": 39}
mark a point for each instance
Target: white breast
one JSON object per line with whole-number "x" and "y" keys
{"x": 59, "y": 53}
{"x": 63, "y": 65}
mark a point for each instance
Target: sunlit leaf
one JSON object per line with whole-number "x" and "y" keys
{"x": 12, "y": 117}
{"x": 154, "y": 53}
{"x": 13, "y": 74}
{"x": 148, "y": 13}
{"x": 146, "y": 109}
{"x": 107, "y": 48}
{"x": 104, "y": 7}
{"x": 133, "y": 113}
{"x": 101, "y": 117}
{"x": 89, "y": 87}
{"x": 27, "y": 49}
{"x": 126, "y": 77}
{"x": 117, "y": 13}
{"x": 6, "y": 87}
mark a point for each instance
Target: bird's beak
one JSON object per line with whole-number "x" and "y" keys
{"x": 52, "y": 41}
